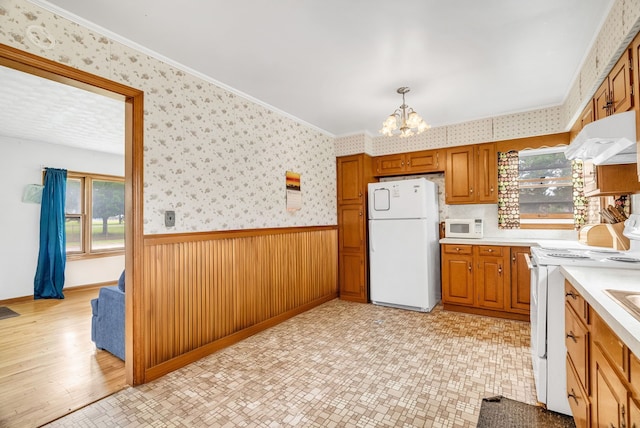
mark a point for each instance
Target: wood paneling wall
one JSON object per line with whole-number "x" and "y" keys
{"x": 204, "y": 291}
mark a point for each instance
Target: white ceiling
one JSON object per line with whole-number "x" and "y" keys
{"x": 336, "y": 64}
{"x": 37, "y": 109}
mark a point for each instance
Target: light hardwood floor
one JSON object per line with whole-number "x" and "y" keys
{"x": 48, "y": 364}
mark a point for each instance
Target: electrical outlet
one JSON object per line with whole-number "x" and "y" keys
{"x": 169, "y": 218}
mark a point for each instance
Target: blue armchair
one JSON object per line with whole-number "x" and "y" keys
{"x": 107, "y": 322}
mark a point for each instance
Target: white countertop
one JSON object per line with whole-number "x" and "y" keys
{"x": 516, "y": 242}
{"x": 591, "y": 283}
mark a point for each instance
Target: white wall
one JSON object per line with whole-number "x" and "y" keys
{"x": 21, "y": 163}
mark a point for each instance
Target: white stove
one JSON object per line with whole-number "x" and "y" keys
{"x": 548, "y": 350}
{"x": 586, "y": 256}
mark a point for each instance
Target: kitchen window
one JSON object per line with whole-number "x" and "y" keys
{"x": 94, "y": 212}
{"x": 540, "y": 189}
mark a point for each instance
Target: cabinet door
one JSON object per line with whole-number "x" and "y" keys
{"x": 351, "y": 229}
{"x": 620, "y": 85}
{"x": 390, "y": 164}
{"x": 634, "y": 414}
{"x": 520, "y": 290}
{"x": 352, "y": 277}
{"x": 490, "y": 281}
{"x": 601, "y": 99}
{"x": 487, "y": 174}
{"x": 610, "y": 396}
{"x": 587, "y": 115}
{"x": 424, "y": 161}
{"x": 577, "y": 343}
{"x": 457, "y": 279}
{"x": 578, "y": 398}
{"x": 635, "y": 58}
{"x": 459, "y": 175}
{"x": 350, "y": 170}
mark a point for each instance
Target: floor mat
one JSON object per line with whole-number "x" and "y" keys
{"x": 500, "y": 412}
{"x": 7, "y": 313}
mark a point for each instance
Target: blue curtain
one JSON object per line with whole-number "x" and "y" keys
{"x": 52, "y": 259}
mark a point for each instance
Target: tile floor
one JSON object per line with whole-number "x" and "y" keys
{"x": 341, "y": 364}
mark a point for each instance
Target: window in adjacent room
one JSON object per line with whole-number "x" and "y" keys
{"x": 94, "y": 211}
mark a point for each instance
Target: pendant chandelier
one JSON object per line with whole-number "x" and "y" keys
{"x": 404, "y": 121}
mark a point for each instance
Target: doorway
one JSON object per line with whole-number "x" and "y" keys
{"x": 133, "y": 144}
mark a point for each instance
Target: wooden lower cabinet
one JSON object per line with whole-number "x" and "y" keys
{"x": 520, "y": 291}
{"x": 492, "y": 278}
{"x": 457, "y": 274}
{"x": 478, "y": 279}
{"x": 610, "y": 396}
{"x": 603, "y": 375}
{"x": 352, "y": 276}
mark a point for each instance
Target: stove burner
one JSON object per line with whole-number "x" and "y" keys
{"x": 569, "y": 256}
{"x": 624, "y": 259}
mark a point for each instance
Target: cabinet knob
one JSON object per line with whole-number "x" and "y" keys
{"x": 471, "y": 190}
{"x": 469, "y": 267}
{"x": 359, "y": 194}
{"x": 572, "y": 336}
{"x": 490, "y": 250}
{"x": 491, "y": 190}
{"x": 408, "y": 163}
{"x": 360, "y": 213}
{"x": 499, "y": 269}
{"x": 513, "y": 258}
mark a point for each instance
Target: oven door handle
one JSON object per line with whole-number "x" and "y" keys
{"x": 530, "y": 265}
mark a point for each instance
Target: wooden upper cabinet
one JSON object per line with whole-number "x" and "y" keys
{"x": 588, "y": 115}
{"x": 350, "y": 170}
{"x": 601, "y": 100}
{"x": 487, "y": 174}
{"x": 410, "y": 163}
{"x": 459, "y": 175}
{"x": 471, "y": 174}
{"x": 620, "y": 84}
{"x": 390, "y": 164}
{"x": 615, "y": 94}
{"x": 425, "y": 161}
{"x": 608, "y": 180}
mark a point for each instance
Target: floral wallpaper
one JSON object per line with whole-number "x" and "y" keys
{"x": 216, "y": 158}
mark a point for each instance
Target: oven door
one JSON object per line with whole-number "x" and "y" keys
{"x": 538, "y": 317}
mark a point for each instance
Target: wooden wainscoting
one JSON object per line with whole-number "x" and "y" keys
{"x": 204, "y": 291}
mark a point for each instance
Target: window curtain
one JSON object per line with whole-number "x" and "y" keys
{"x": 49, "y": 278}
{"x": 580, "y": 203}
{"x": 508, "y": 192}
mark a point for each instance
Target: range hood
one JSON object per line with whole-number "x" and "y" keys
{"x": 608, "y": 141}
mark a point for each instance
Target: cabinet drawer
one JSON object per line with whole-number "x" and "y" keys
{"x": 577, "y": 342}
{"x": 611, "y": 346}
{"x": 577, "y": 302}
{"x": 457, "y": 249}
{"x": 578, "y": 399}
{"x": 491, "y": 250}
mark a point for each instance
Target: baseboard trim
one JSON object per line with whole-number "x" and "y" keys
{"x": 192, "y": 356}
{"x": 64, "y": 290}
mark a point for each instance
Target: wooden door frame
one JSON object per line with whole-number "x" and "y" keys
{"x": 133, "y": 99}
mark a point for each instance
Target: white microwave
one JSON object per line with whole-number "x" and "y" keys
{"x": 463, "y": 228}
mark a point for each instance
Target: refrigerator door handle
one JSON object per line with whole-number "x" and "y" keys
{"x": 372, "y": 242}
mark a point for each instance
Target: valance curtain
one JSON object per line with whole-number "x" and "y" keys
{"x": 508, "y": 191}
{"x": 49, "y": 278}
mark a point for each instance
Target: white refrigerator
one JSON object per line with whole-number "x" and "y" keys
{"x": 404, "y": 253}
